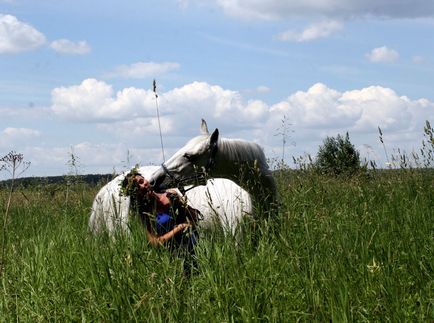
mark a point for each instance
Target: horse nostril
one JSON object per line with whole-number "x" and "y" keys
{"x": 152, "y": 183}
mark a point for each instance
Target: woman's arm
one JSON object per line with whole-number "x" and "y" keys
{"x": 159, "y": 240}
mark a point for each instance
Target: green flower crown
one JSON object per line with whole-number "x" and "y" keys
{"x": 128, "y": 187}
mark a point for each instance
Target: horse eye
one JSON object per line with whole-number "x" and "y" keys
{"x": 188, "y": 157}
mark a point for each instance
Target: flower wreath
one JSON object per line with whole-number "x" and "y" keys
{"x": 128, "y": 187}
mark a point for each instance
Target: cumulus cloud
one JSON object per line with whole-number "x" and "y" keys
{"x": 317, "y": 107}
{"x": 356, "y": 110}
{"x": 322, "y": 111}
{"x": 95, "y": 101}
{"x": 214, "y": 102}
{"x": 383, "y": 55}
{"x": 315, "y": 31}
{"x": 17, "y": 36}
{"x": 128, "y": 118}
{"x": 144, "y": 69}
{"x": 66, "y": 46}
{"x": 315, "y": 112}
{"x": 277, "y": 9}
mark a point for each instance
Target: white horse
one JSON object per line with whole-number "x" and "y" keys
{"x": 238, "y": 160}
{"x": 220, "y": 202}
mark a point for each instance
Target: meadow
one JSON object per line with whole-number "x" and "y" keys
{"x": 359, "y": 249}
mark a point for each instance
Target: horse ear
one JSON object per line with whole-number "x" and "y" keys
{"x": 204, "y": 128}
{"x": 214, "y": 138}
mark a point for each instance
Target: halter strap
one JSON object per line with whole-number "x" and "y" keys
{"x": 198, "y": 176}
{"x": 168, "y": 172}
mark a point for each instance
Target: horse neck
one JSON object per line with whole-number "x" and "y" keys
{"x": 244, "y": 163}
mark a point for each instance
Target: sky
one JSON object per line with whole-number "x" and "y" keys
{"x": 76, "y": 78}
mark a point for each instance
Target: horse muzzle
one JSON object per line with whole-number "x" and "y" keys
{"x": 158, "y": 182}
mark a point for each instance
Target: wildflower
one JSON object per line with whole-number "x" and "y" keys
{"x": 374, "y": 267}
{"x": 128, "y": 259}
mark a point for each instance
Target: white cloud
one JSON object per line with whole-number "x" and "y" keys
{"x": 131, "y": 112}
{"x": 277, "y": 9}
{"x": 358, "y": 110}
{"x": 13, "y": 136}
{"x": 66, "y": 46}
{"x": 214, "y": 102}
{"x": 315, "y": 31}
{"x": 318, "y": 107}
{"x": 127, "y": 119}
{"x": 17, "y": 36}
{"x": 383, "y": 55}
{"x": 144, "y": 69}
{"x": 94, "y": 100}
{"x": 321, "y": 111}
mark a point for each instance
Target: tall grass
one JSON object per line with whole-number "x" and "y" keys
{"x": 342, "y": 250}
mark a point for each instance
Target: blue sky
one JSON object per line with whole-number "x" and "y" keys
{"x": 76, "y": 77}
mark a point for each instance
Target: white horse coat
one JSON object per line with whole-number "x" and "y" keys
{"x": 220, "y": 202}
{"x": 241, "y": 161}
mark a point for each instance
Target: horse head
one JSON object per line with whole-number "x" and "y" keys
{"x": 190, "y": 163}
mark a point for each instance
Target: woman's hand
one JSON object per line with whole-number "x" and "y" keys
{"x": 159, "y": 240}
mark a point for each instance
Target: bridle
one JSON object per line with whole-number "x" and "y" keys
{"x": 199, "y": 177}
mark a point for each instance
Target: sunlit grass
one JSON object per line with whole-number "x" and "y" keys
{"x": 341, "y": 250}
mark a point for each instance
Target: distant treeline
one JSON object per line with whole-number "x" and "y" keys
{"x": 101, "y": 179}
{"x": 91, "y": 179}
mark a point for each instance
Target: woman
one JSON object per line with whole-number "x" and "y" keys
{"x": 167, "y": 217}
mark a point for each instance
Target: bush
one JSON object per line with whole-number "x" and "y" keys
{"x": 337, "y": 156}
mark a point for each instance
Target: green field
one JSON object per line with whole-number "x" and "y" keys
{"x": 341, "y": 250}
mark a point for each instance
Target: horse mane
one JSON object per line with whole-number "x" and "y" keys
{"x": 197, "y": 141}
{"x": 243, "y": 151}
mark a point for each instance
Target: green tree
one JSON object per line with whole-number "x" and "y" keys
{"x": 337, "y": 156}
